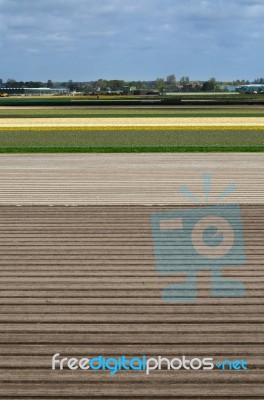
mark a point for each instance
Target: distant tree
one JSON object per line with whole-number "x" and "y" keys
{"x": 171, "y": 80}
{"x": 240, "y": 82}
{"x": 208, "y": 86}
{"x": 117, "y": 84}
{"x": 137, "y": 84}
{"x": 141, "y": 85}
{"x": 70, "y": 84}
{"x": 63, "y": 84}
{"x": 73, "y": 86}
{"x": 11, "y": 83}
{"x": 101, "y": 83}
{"x": 32, "y": 84}
{"x": 212, "y": 80}
{"x": 259, "y": 81}
{"x": 108, "y": 84}
{"x": 88, "y": 88}
{"x": 160, "y": 83}
{"x": 217, "y": 87}
{"x": 50, "y": 84}
{"x": 184, "y": 80}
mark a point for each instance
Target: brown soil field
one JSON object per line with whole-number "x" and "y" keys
{"x": 79, "y": 277}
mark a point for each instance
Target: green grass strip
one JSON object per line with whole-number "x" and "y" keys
{"x": 129, "y": 139}
{"x": 136, "y": 149}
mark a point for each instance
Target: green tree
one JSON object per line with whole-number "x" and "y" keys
{"x": 208, "y": 86}
{"x": 102, "y": 84}
{"x": 171, "y": 80}
{"x": 141, "y": 85}
{"x": 32, "y": 84}
{"x": 117, "y": 84}
{"x": 88, "y": 88}
{"x": 160, "y": 83}
{"x": 12, "y": 83}
{"x": 50, "y": 84}
{"x": 184, "y": 80}
{"x": 73, "y": 86}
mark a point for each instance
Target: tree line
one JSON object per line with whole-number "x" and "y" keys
{"x": 159, "y": 84}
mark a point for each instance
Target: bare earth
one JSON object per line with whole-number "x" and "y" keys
{"x": 87, "y": 179}
{"x": 82, "y": 281}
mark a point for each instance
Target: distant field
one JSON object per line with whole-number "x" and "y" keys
{"x": 180, "y": 99}
{"x": 131, "y": 113}
{"x": 131, "y": 130}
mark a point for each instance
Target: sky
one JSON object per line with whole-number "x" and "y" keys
{"x": 86, "y": 40}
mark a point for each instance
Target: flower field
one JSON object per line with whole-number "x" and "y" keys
{"x": 99, "y": 131}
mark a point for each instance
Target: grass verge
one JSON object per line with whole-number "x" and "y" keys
{"x": 136, "y": 149}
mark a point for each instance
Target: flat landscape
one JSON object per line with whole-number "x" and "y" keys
{"x": 78, "y": 269}
{"x": 131, "y": 200}
{"x": 131, "y": 130}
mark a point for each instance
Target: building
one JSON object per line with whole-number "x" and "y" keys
{"x": 33, "y": 91}
{"x": 252, "y": 88}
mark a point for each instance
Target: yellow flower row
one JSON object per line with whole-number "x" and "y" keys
{"x": 133, "y": 128}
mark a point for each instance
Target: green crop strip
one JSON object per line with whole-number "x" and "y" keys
{"x": 130, "y": 139}
{"x": 123, "y": 115}
{"x": 136, "y": 149}
{"x": 133, "y": 113}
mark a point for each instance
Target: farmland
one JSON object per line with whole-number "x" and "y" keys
{"x": 180, "y": 99}
{"x": 77, "y": 252}
{"x": 128, "y": 112}
{"x": 131, "y": 129}
{"x": 78, "y": 274}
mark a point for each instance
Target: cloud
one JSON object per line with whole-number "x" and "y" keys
{"x": 123, "y": 37}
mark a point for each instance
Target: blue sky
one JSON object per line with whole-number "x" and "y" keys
{"x": 131, "y": 39}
